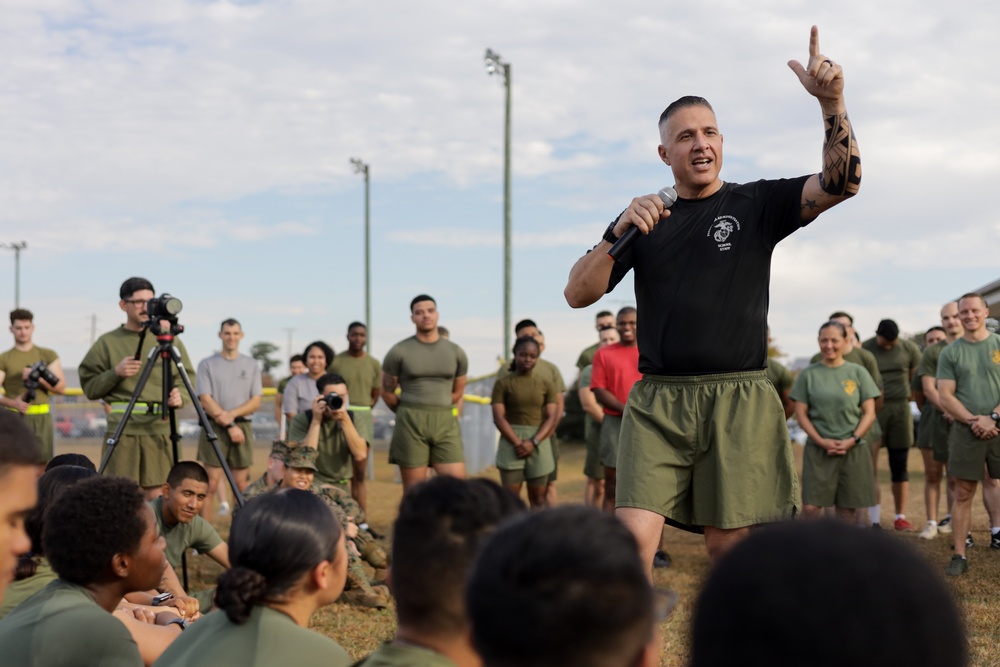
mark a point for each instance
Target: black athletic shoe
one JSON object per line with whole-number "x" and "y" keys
{"x": 944, "y": 525}
{"x": 877, "y": 526}
{"x": 662, "y": 558}
{"x": 995, "y": 541}
{"x": 969, "y": 542}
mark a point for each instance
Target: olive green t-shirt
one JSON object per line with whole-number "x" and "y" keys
{"x": 544, "y": 369}
{"x": 586, "y": 357}
{"x": 392, "y": 654}
{"x": 524, "y": 397}
{"x": 895, "y": 366}
{"x": 426, "y": 371}
{"x": 197, "y": 534}
{"x": 268, "y": 638}
{"x": 99, "y": 381}
{"x": 834, "y": 396}
{"x": 779, "y": 376}
{"x": 975, "y": 368}
{"x": 14, "y": 361}
{"x": 861, "y": 357}
{"x": 362, "y": 374}
{"x": 21, "y": 590}
{"x": 62, "y": 626}
{"x": 929, "y": 360}
{"x": 334, "y": 464}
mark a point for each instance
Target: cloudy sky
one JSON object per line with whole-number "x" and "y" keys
{"x": 206, "y": 145}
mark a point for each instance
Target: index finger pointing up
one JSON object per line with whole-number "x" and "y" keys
{"x": 814, "y": 41}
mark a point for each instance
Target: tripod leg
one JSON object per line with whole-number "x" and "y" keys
{"x": 206, "y": 424}
{"x": 112, "y": 442}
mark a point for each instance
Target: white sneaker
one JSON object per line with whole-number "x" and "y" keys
{"x": 929, "y": 532}
{"x": 944, "y": 527}
{"x": 224, "y": 508}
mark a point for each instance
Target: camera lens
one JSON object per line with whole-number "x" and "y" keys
{"x": 334, "y": 401}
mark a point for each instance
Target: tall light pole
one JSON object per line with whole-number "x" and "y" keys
{"x": 362, "y": 168}
{"x": 17, "y": 248}
{"x": 494, "y": 65}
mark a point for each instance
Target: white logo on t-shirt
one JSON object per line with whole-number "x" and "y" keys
{"x": 722, "y": 229}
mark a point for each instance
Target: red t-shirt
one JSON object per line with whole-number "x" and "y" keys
{"x": 616, "y": 368}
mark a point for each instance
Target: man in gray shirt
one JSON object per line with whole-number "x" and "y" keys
{"x": 229, "y": 388}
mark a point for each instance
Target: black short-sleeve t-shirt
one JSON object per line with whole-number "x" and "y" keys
{"x": 702, "y": 278}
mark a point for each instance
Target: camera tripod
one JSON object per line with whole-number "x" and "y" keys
{"x": 171, "y": 358}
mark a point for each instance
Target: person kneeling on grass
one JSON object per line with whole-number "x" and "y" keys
{"x": 269, "y": 595}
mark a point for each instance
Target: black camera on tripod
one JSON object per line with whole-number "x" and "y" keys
{"x": 164, "y": 307}
{"x": 39, "y": 371}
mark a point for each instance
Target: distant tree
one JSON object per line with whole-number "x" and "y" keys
{"x": 262, "y": 353}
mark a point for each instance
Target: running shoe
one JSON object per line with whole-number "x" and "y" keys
{"x": 930, "y": 531}
{"x": 224, "y": 508}
{"x": 902, "y": 524}
{"x": 995, "y": 541}
{"x": 662, "y": 559}
{"x": 969, "y": 542}
{"x": 944, "y": 526}
{"x": 957, "y": 567}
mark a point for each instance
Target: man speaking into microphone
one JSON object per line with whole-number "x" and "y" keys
{"x": 703, "y": 440}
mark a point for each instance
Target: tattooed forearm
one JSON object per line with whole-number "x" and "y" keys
{"x": 841, "y": 175}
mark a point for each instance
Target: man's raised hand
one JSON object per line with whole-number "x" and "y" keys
{"x": 821, "y": 77}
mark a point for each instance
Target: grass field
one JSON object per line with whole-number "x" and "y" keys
{"x": 360, "y": 631}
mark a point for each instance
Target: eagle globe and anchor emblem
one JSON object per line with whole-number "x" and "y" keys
{"x": 722, "y": 231}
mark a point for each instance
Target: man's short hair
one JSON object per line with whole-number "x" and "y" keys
{"x": 524, "y": 324}
{"x": 839, "y": 314}
{"x": 975, "y": 295}
{"x": 93, "y": 520}
{"x": 438, "y": 530}
{"x": 936, "y": 328}
{"x": 327, "y": 379}
{"x": 354, "y": 325}
{"x": 682, "y": 103}
{"x": 133, "y": 285}
{"x": 561, "y": 587}
{"x": 443, "y": 331}
{"x": 18, "y": 445}
{"x": 186, "y": 470}
{"x": 70, "y": 459}
{"x": 21, "y": 314}
{"x": 231, "y": 322}
{"x": 296, "y": 357}
{"x": 421, "y": 297}
{"x": 819, "y": 575}
{"x": 603, "y": 313}
{"x": 627, "y": 310}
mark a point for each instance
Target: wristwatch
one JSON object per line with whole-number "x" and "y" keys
{"x": 182, "y": 623}
{"x": 857, "y": 438}
{"x": 609, "y": 233}
{"x": 996, "y": 418}
{"x": 533, "y": 440}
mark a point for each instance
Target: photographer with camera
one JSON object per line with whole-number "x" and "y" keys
{"x": 29, "y": 374}
{"x": 110, "y": 372}
{"x": 329, "y": 428}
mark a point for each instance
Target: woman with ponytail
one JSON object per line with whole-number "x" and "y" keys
{"x": 288, "y": 558}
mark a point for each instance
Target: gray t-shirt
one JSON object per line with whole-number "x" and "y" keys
{"x": 299, "y": 394}
{"x": 230, "y": 382}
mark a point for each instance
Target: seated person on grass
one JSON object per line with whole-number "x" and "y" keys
{"x": 101, "y": 539}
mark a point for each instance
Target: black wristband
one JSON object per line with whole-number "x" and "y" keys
{"x": 609, "y": 233}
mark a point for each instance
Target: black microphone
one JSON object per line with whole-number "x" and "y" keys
{"x": 668, "y": 196}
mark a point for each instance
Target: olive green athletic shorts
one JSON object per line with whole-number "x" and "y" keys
{"x": 967, "y": 453}
{"x": 42, "y": 427}
{"x": 933, "y": 433}
{"x": 611, "y": 429}
{"x": 707, "y": 451}
{"x": 425, "y": 434}
{"x": 364, "y": 422}
{"x": 554, "y": 443}
{"x": 874, "y": 434}
{"x": 145, "y": 458}
{"x": 536, "y": 468}
{"x": 237, "y": 456}
{"x": 592, "y": 467}
{"x": 896, "y": 422}
{"x": 838, "y": 481}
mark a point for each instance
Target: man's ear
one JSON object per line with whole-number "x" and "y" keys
{"x": 121, "y": 564}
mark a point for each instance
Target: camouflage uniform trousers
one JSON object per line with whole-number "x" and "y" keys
{"x": 346, "y": 508}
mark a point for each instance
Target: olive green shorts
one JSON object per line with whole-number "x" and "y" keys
{"x": 933, "y": 432}
{"x": 364, "y": 422}
{"x": 554, "y": 443}
{"x": 896, "y": 422}
{"x": 874, "y": 434}
{"x": 611, "y": 429}
{"x": 592, "y": 467}
{"x": 237, "y": 456}
{"x": 967, "y": 454}
{"x": 145, "y": 458}
{"x": 707, "y": 451}
{"x": 537, "y": 466}
{"x": 42, "y": 427}
{"x": 425, "y": 435}
{"x": 838, "y": 481}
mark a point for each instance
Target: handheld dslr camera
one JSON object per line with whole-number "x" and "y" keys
{"x": 334, "y": 401}
{"x": 39, "y": 371}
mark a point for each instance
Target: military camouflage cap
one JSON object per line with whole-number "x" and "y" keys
{"x": 301, "y": 457}
{"x": 279, "y": 449}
